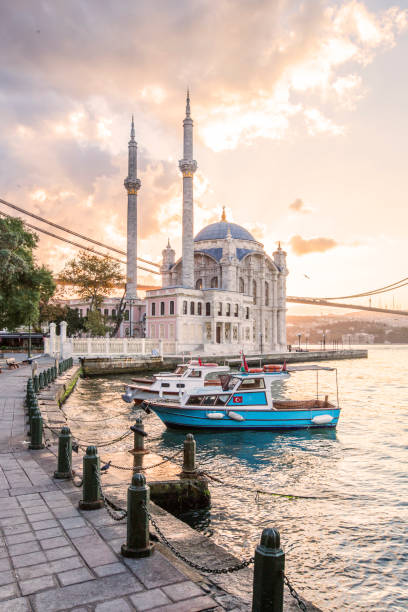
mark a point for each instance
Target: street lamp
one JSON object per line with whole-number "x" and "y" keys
{"x": 307, "y": 340}
{"x": 299, "y": 335}
{"x": 29, "y": 339}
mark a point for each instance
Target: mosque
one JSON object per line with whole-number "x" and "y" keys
{"x": 224, "y": 294}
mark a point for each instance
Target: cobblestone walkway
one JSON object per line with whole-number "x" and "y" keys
{"x": 55, "y": 557}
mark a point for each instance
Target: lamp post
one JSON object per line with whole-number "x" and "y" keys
{"x": 299, "y": 335}
{"x": 307, "y": 341}
{"x": 324, "y": 340}
{"x": 29, "y": 339}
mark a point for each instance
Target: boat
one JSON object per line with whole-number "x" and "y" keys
{"x": 244, "y": 401}
{"x": 187, "y": 377}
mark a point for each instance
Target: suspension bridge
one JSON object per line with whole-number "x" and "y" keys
{"x": 154, "y": 268}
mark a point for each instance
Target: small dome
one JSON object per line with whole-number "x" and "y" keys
{"x": 219, "y": 231}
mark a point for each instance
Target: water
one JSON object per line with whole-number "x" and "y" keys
{"x": 348, "y": 551}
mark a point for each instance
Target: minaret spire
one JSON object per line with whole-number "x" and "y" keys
{"x": 132, "y": 185}
{"x": 188, "y": 166}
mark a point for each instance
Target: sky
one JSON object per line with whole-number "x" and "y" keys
{"x": 300, "y": 127}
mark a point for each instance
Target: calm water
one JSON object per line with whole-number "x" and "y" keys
{"x": 348, "y": 551}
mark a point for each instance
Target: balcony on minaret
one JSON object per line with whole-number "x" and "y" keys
{"x": 132, "y": 185}
{"x": 188, "y": 167}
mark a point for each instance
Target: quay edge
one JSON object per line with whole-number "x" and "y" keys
{"x": 97, "y": 366}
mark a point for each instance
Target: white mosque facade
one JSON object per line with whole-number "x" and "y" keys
{"x": 225, "y": 293}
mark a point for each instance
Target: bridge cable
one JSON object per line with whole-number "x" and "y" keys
{"x": 76, "y": 244}
{"x": 65, "y": 229}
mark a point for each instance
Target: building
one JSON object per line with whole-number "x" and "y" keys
{"x": 225, "y": 293}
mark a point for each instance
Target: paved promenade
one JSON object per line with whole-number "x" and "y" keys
{"x": 55, "y": 557}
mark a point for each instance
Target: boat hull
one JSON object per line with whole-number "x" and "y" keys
{"x": 197, "y": 418}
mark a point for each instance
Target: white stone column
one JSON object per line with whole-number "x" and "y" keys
{"x": 274, "y": 329}
{"x": 53, "y": 335}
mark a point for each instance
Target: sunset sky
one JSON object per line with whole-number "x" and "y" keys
{"x": 300, "y": 114}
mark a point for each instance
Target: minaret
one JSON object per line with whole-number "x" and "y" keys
{"x": 132, "y": 185}
{"x": 188, "y": 166}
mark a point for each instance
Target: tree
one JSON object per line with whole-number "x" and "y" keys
{"x": 75, "y": 322}
{"x": 95, "y": 323}
{"x": 92, "y": 277}
{"x": 23, "y": 283}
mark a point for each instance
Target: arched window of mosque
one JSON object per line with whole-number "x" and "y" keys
{"x": 199, "y": 308}
{"x": 219, "y": 309}
{"x": 247, "y": 312}
{"x": 199, "y": 283}
{"x": 153, "y": 309}
{"x": 241, "y": 285}
{"x": 191, "y": 307}
{"x": 228, "y": 310}
{"x": 172, "y": 307}
{"x": 126, "y": 315}
{"x": 105, "y": 312}
{"x": 185, "y": 307}
{"x": 266, "y": 294}
{"x": 207, "y": 309}
{"x": 113, "y": 312}
{"x": 162, "y": 308}
{"x": 236, "y": 310}
{"x": 214, "y": 282}
{"x": 254, "y": 290}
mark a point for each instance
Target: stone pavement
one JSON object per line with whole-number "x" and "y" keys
{"x": 55, "y": 557}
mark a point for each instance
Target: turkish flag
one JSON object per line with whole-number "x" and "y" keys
{"x": 237, "y": 399}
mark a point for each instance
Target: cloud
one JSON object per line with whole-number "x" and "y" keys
{"x": 73, "y": 74}
{"x": 302, "y": 246}
{"x": 299, "y": 206}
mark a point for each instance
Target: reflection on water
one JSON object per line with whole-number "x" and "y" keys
{"x": 348, "y": 551}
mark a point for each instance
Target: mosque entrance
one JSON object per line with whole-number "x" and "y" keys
{"x": 218, "y": 333}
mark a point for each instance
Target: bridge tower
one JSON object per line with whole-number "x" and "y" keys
{"x": 188, "y": 166}
{"x": 132, "y": 186}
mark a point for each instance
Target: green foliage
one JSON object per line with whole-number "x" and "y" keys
{"x": 92, "y": 277}
{"x": 23, "y": 284}
{"x": 76, "y": 323}
{"x": 95, "y": 324}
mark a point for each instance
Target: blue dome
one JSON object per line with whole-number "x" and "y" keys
{"x": 219, "y": 231}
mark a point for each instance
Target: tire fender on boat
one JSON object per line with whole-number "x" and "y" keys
{"x": 235, "y": 416}
{"x": 322, "y": 419}
{"x": 215, "y": 415}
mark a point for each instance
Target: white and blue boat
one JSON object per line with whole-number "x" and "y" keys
{"x": 244, "y": 401}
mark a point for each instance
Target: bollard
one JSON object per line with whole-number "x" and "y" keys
{"x": 64, "y": 454}
{"x": 30, "y": 383}
{"x": 41, "y": 381}
{"x": 36, "y": 431}
{"x": 60, "y": 368}
{"x": 90, "y": 489}
{"x": 36, "y": 384}
{"x": 137, "y": 538}
{"x": 49, "y": 376}
{"x": 268, "y": 573}
{"x": 139, "y": 436}
{"x": 54, "y": 368}
{"x": 189, "y": 463}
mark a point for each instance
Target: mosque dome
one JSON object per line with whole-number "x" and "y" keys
{"x": 219, "y": 231}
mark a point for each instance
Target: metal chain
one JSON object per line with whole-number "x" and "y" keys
{"x": 85, "y": 444}
{"x": 201, "y": 568}
{"x": 72, "y": 475}
{"x": 142, "y": 469}
{"x": 109, "y": 505}
{"x": 69, "y": 418}
{"x": 295, "y": 594}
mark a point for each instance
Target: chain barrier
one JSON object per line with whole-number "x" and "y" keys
{"x": 201, "y": 568}
{"x": 80, "y": 482}
{"x": 68, "y": 418}
{"x": 295, "y": 594}
{"x": 142, "y": 469}
{"x": 84, "y": 444}
{"x": 257, "y": 492}
{"x": 109, "y": 505}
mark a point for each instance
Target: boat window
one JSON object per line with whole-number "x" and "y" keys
{"x": 228, "y": 382}
{"x": 165, "y": 384}
{"x": 180, "y": 385}
{"x": 252, "y": 383}
{"x": 180, "y": 369}
{"x": 208, "y": 400}
{"x": 194, "y": 399}
{"x": 221, "y": 400}
{"x": 213, "y": 376}
{"x": 195, "y": 374}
